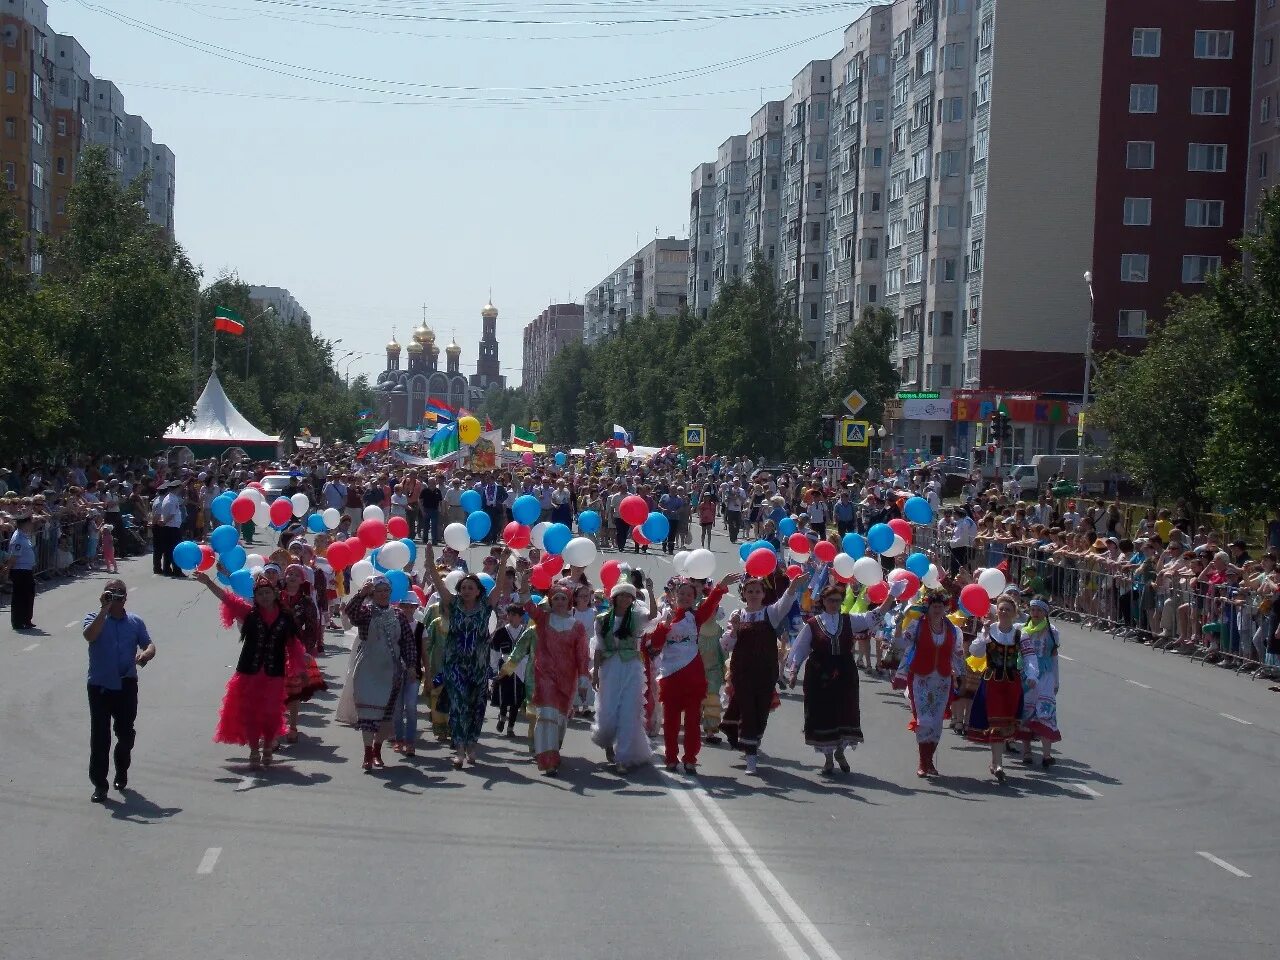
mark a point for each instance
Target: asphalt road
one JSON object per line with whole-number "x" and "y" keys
{"x": 1133, "y": 846}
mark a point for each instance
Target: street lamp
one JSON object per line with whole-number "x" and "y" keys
{"x": 1084, "y": 394}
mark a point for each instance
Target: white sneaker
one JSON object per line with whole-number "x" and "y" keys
{"x": 751, "y": 765}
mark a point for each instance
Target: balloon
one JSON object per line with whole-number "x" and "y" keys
{"x": 854, "y": 546}
{"x": 187, "y": 555}
{"x": 678, "y": 561}
{"x": 373, "y": 512}
{"x": 761, "y": 563}
{"x": 355, "y": 549}
{"x": 561, "y": 459}
{"x": 526, "y": 510}
{"x": 255, "y": 485}
{"x": 242, "y": 509}
{"x": 794, "y": 571}
{"x": 536, "y": 597}
{"x": 361, "y": 571}
{"x": 637, "y": 535}
{"x": 825, "y": 551}
{"x": 877, "y": 592}
{"x": 867, "y": 571}
{"x": 610, "y": 570}
{"x": 398, "y": 527}
{"x": 254, "y": 493}
{"x": 633, "y": 510}
{"x": 411, "y": 547}
{"x": 843, "y": 565}
{"x": 933, "y": 578}
{"x": 656, "y": 527}
{"x": 233, "y": 559}
{"x": 899, "y": 547}
{"x": 331, "y": 518}
{"x": 338, "y": 556}
{"x": 487, "y": 582}
{"x": 315, "y": 523}
{"x": 471, "y": 501}
{"x": 918, "y": 563}
{"x": 222, "y": 577}
{"x": 456, "y": 536}
{"x": 262, "y": 514}
{"x": 917, "y": 510}
{"x": 786, "y": 527}
{"x": 372, "y": 533}
{"x": 527, "y": 458}
{"x": 254, "y": 560}
{"x": 553, "y": 562}
{"x": 536, "y": 532}
{"x": 468, "y": 430}
{"x": 223, "y": 538}
{"x": 394, "y": 555}
{"x": 419, "y": 593}
{"x": 701, "y": 565}
{"x": 220, "y": 507}
{"x": 452, "y": 579}
{"x": 798, "y": 543}
{"x": 207, "y": 557}
{"x": 242, "y": 584}
{"x": 479, "y": 524}
{"x": 744, "y": 551}
{"x": 764, "y": 545}
{"x": 555, "y": 537}
{"x": 300, "y": 504}
{"x": 913, "y": 582}
{"x": 880, "y": 537}
{"x": 579, "y": 552}
{"x": 540, "y": 577}
{"x": 399, "y": 581}
{"x": 588, "y": 521}
{"x": 993, "y": 582}
{"x": 975, "y": 600}
{"x": 901, "y": 528}
{"x": 515, "y": 535}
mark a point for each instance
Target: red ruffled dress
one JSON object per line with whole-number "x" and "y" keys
{"x": 253, "y": 707}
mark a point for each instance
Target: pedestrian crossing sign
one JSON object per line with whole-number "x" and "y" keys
{"x": 694, "y": 435}
{"x": 854, "y": 433}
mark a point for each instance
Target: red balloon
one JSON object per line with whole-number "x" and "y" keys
{"x": 372, "y": 533}
{"x": 552, "y": 562}
{"x": 609, "y": 573}
{"x": 877, "y": 592}
{"x": 794, "y": 571}
{"x": 355, "y": 549}
{"x": 256, "y": 485}
{"x": 281, "y": 511}
{"x": 242, "y": 509}
{"x": 516, "y": 535}
{"x": 638, "y": 537}
{"x": 902, "y": 529}
{"x": 761, "y": 562}
{"x": 633, "y": 510}
{"x": 207, "y": 557}
{"x": 540, "y": 578}
{"x": 825, "y": 551}
{"x": 398, "y": 527}
{"x": 420, "y": 594}
{"x": 338, "y": 555}
{"x": 798, "y": 543}
{"x": 839, "y": 579}
{"x": 975, "y": 600}
{"x": 913, "y": 582}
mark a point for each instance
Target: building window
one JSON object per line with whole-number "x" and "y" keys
{"x": 11, "y": 128}
{"x": 1137, "y": 211}
{"x": 896, "y": 232}
{"x": 944, "y": 378}
{"x": 946, "y": 325}
{"x": 986, "y": 33}
{"x": 1268, "y": 51}
{"x": 870, "y": 248}
{"x": 1133, "y": 323}
{"x": 62, "y": 126}
{"x": 10, "y": 175}
{"x": 1196, "y": 269}
{"x": 37, "y": 176}
{"x": 1211, "y": 101}
{"x": 1133, "y": 267}
{"x": 1146, "y": 41}
{"x": 813, "y": 311}
{"x": 946, "y": 270}
{"x": 984, "y": 88}
{"x": 1264, "y": 109}
{"x": 975, "y": 256}
{"x": 10, "y": 81}
{"x": 872, "y": 292}
{"x": 35, "y": 86}
{"x": 1207, "y": 157}
{"x": 950, "y": 163}
{"x": 1204, "y": 213}
{"x": 915, "y": 218}
{"x": 951, "y": 109}
{"x": 1140, "y": 154}
{"x": 60, "y": 206}
{"x": 1143, "y": 97}
{"x": 981, "y": 144}
{"x": 920, "y": 164}
{"x": 1264, "y": 163}
{"x": 37, "y": 131}
{"x": 1214, "y": 44}
{"x": 813, "y": 271}
{"x": 60, "y": 165}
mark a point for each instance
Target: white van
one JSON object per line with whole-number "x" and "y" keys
{"x": 1034, "y": 476}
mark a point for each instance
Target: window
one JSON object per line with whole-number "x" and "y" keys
{"x": 946, "y": 324}
{"x": 924, "y": 61}
{"x": 62, "y": 126}
{"x": 1143, "y": 97}
{"x": 60, "y": 206}
{"x": 950, "y": 163}
{"x": 11, "y": 127}
{"x": 735, "y": 239}
{"x": 60, "y": 165}
{"x": 813, "y": 311}
{"x": 893, "y": 282}
{"x": 870, "y": 248}
{"x": 10, "y": 175}
{"x": 874, "y": 156}
{"x": 945, "y": 217}
{"x": 979, "y": 199}
{"x": 10, "y": 81}
{"x": 872, "y": 292}
{"x": 952, "y": 57}
{"x": 706, "y": 256}
{"x": 900, "y": 90}
{"x": 1146, "y": 41}
{"x": 920, "y": 164}
{"x": 984, "y": 88}
{"x": 37, "y": 131}
{"x": 1133, "y": 323}
{"x": 35, "y": 86}
{"x": 706, "y": 285}
{"x": 820, "y": 149}
{"x": 877, "y": 110}
{"x": 1133, "y": 267}
{"x": 944, "y": 377}
{"x": 1140, "y": 154}
{"x": 915, "y": 218}
{"x": 1264, "y": 162}
{"x": 37, "y": 176}
{"x": 1264, "y": 109}
{"x": 1207, "y": 157}
{"x": 1214, "y": 44}
{"x": 816, "y": 191}
{"x": 981, "y": 143}
{"x": 773, "y": 183}
{"x": 875, "y": 201}
{"x": 975, "y": 255}
{"x": 899, "y": 137}
{"x": 815, "y": 232}
{"x": 813, "y": 271}
{"x": 987, "y": 33}
{"x": 945, "y": 272}
{"x": 1196, "y": 269}
{"x": 1211, "y": 101}
{"x": 1204, "y": 213}
{"x": 897, "y": 186}
{"x": 1137, "y": 211}
{"x": 1268, "y": 51}
{"x": 897, "y": 230}
{"x": 951, "y": 109}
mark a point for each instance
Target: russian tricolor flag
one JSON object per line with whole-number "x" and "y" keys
{"x": 381, "y": 441}
{"x": 444, "y": 413}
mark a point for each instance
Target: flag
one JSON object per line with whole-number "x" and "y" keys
{"x": 381, "y": 440}
{"x": 444, "y": 413}
{"x": 364, "y": 414}
{"x": 522, "y": 439}
{"x": 488, "y": 425}
{"x": 430, "y": 416}
{"x": 228, "y": 321}
{"x": 444, "y": 441}
{"x": 620, "y": 438}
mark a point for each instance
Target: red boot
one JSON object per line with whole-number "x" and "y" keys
{"x": 375, "y": 754}
{"x": 931, "y": 750}
{"x": 923, "y": 769}
{"x": 368, "y": 757}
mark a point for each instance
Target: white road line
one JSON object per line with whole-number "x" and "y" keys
{"x": 767, "y": 879}
{"x": 1247, "y": 723}
{"x": 73, "y": 623}
{"x": 1063, "y": 656}
{"x": 1083, "y": 788}
{"x": 29, "y": 647}
{"x": 245, "y": 783}
{"x": 1223, "y": 864}
{"x": 1136, "y": 683}
{"x": 755, "y": 899}
{"x": 209, "y": 859}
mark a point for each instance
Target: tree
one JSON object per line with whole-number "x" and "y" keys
{"x": 504, "y": 407}
{"x": 557, "y": 403}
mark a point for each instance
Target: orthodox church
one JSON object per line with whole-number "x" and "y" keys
{"x": 402, "y": 393}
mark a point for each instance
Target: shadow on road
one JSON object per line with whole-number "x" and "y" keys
{"x": 135, "y": 808}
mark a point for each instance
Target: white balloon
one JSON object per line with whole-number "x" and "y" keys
{"x": 300, "y": 504}
{"x": 579, "y": 552}
{"x": 844, "y": 565}
{"x": 254, "y": 571}
{"x": 456, "y": 536}
{"x": 992, "y": 581}
{"x": 700, "y": 564}
{"x": 262, "y": 514}
{"x": 361, "y": 571}
{"x": 933, "y": 578}
{"x": 452, "y": 578}
{"x": 536, "y": 532}
{"x": 899, "y": 546}
{"x": 331, "y": 518}
{"x": 394, "y": 555}
{"x": 254, "y": 494}
{"x": 255, "y": 560}
{"x": 678, "y": 561}
{"x": 374, "y": 512}
{"x": 867, "y": 571}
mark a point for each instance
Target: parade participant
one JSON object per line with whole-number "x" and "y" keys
{"x": 584, "y": 611}
{"x": 405, "y": 732}
{"x": 297, "y": 599}
{"x": 682, "y": 680}
{"x": 996, "y": 713}
{"x": 253, "y": 707}
{"x": 751, "y": 639}
{"x": 932, "y": 650}
{"x": 435, "y": 636}
{"x": 713, "y": 662}
{"x": 1040, "y": 709}
{"x": 508, "y": 688}
{"x": 618, "y": 674}
{"x": 825, "y": 644}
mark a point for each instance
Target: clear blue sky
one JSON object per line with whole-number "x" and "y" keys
{"x": 365, "y": 211}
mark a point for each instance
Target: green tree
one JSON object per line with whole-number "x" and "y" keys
{"x": 557, "y": 404}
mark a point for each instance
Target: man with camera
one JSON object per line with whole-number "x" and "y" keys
{"x": 118, "y": 645}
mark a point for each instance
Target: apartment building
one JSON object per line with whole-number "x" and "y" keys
{"x": 764, "y": 182}
{"x": 25, "y": 107}
{"x": 1264, "y": 137}
{"x": 282, "y": 303}
{"x": 549, "y": 332}
{"x": 702, "y": 210}
{"x": 729, "y": 216}
{"x": 652, "y": 280}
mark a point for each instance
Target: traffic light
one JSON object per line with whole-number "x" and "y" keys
{"x": 1006, "y": 431}
{"x": 827, "y": 431}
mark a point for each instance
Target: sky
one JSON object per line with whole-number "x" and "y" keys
{"x": 374, "y": 156}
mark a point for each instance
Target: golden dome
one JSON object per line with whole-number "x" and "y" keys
{"x": 414, "y": 347}
{"x": 393, "y": 346}
{"x": 453, "y": 349}
{"x": 488, "y": 311}
{"x": 424, "y": 334}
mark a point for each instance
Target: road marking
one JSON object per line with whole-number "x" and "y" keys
{"x": 1223, "y": 864}
{"x": 73, "y": 623}
{"x": 1063, "y": 656}
{"x": 1083, "y": 788}
{"x": 246, "y": 783}
{"x": 1247, "y": 723}
{"x": 209, "y": 859}
{"x": 1135, "y": 683}
{"x": 29, "y": 647}
{"x": 755, "y": 899}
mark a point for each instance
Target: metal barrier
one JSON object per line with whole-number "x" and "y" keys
{"x": 62, "y": 545}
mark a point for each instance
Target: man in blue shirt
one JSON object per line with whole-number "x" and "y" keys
{"x": 22, "y": 565}
{"x": 118, "y": 645}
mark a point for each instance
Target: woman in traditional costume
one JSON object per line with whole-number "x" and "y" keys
{"x": 1040, "y": 709}
{"x": 1005, "y": 658}
{"x": 296, "y": 597}
{"x": 619, "y": 677}
{"x": 933, "y": 649}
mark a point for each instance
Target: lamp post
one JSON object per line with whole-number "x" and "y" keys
{"x": 880, "y": 433}
{"x": 1084, "y": 393}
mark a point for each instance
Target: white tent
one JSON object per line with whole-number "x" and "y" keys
{"x": 215, "y": 421}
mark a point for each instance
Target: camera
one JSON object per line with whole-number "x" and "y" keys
{"x": 113, "y": 595}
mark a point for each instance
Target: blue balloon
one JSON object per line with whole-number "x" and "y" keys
{"x": 242, "y": 584}
{"x": 187, "y": 555}
{"x": 479, "y": 524}
{"x": 377, "y": 563}
{"x": 588, "y": 521}
{"x": 561, "y": 459}
{"x": 471, "y": 501}
{"x": 745, "y": 549}
{"x": 854, "y": 545}
{"x": 880, "y": 537}
{"x": 223, "y": 578}
{"x": 765, "y": 545}
{"x": 399, "y": 581}
{"x": 526, "y": 510}
{"x": 413, "y": 549}
{"x": 535, "y": 597}
{"x": 918, "y": 563}
{"x": 656, "y": 527}
{"x": 315, "y": 523}
{"x": 223, "y": 538}
{"x": 488, "y": 581}
{"x": 233, "y": 559}
{"x": 555, "y": 537}
{"x": 917, "y": 510}
{"x": 220, "y": 507}
{"x": 786, "y": 527}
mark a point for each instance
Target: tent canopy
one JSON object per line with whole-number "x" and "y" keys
{"x": 215, "y": 421}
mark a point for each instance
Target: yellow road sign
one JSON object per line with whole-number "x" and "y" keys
{"x": 854, "y": 433}
{"x": 535, "y": 426}
{"x": 854, "y": 402}
{"x": 694, "y": 435}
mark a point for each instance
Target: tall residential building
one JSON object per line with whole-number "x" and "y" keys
{"x": 728, "y": 218}
{"x": 546, "y": 336}
{"x": 283, "y": 303}
{"x": 702, "y": 210}
{"x": 652, "y": 280}
{"x": 25, "y": 103}
{"x": 764, "y": 178}
{"x": 1264, "y": 140}
{"x": 72, "y": 116}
